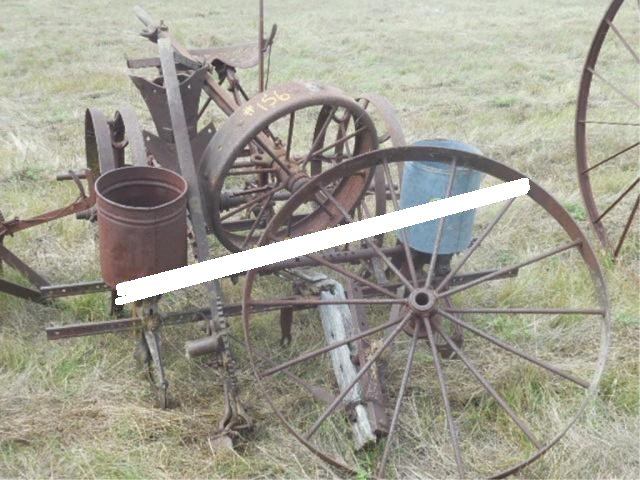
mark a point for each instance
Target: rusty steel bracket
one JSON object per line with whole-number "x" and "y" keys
{"x": 286, "y": 322}
{"x": 83, "y": 202}
{"x": 15, "y": 225}
{"x": 235, "y": 417}
{"x": 154, "y": 31}
{"x": 148, "y": 351}
{"x": 162, "y": 146}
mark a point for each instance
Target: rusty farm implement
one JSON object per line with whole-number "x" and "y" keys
{"x": 410, "y": 338}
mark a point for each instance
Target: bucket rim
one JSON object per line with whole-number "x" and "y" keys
{"x": 178, "y": 198}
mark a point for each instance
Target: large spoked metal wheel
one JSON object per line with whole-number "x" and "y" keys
{"x": 528, "y": 296}
{"x": 269, "y": 148}
{"x": 608, "y": 129}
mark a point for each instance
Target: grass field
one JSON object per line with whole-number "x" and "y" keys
{"x": 502, "y": 75}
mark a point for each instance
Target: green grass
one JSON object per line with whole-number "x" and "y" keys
{"x": 500, "y": 75}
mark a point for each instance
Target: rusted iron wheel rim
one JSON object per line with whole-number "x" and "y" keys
{"x": 107, "y": 141}
{"x": 613, "y": 235}
{"x": 433, "y": 315}
{"x": 263, "y": 129}
{"x": 127, "y": 134}
{"x": 390, "y": 134}
{"x": 98, "y": 143}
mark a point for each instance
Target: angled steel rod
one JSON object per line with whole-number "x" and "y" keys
{"x": 14, "y": 261}
{"x": 252, "y": 202}
{"x": 254, "y": 225}
{"x": 352, "y": 276}
{"x": 601, "y": 162}
{"x": 327, "y": 348}
{"x": 515, "y": 351}
{"x": 534, "y": 311}
{"x": 614, "y": 88}
{"x": 446, "y": 280}
{"x": 629, "y": 48}
{"x": 438, "y": 239}
{"x": 369, "y": 242}
{"x": 617, "y": 200}
{"x": 316, "y": 301}
{"x": 292, "y": 120}
{"x": 601, "y": 122}
{"x": 498, "y": 273}
{"x": 396, "y": 410}
{"x": 453, "y": 433}
{"x": 320, "y": 135}
{"x": 627, "y": 225}
{"x": 405, "y": 239}
{"x": 314, "y": 428}
{"x": 489, "y": 388}
{"x": 338, "y": 142}
{"x": 261, "y": 46}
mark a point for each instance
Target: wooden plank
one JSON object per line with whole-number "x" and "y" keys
{"x": 338, "y": 324}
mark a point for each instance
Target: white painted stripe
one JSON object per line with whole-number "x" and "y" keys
{"x": 209, "y": 270}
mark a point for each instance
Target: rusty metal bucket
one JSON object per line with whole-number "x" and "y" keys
{"x": 142, "y": 222}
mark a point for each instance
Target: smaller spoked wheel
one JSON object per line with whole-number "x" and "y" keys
{"x": 607, "y": 127}
{"x": 390, "y": 134}
{"x": 270, "y": 147}
{"x": 462, "y": 365}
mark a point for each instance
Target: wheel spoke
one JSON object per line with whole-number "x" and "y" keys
{"x": 445, "y": 282}
{"x": 250, "y": 203}
{"x": 352, "y": 275}
{"x": 292, "y": 119}
{"x": 347, "y": 149}
{"x": 598, "y": 122}
{"x": 624, "y": 41}
{"x": 626, "y": 228}
{"x": 515, "y": 351}
{"x": 369, "y": 242}
{"x": 314, "y": 353}
{"x": 489, "y": 388}
{"x": 601, "y": 162}
{"x": 502, "y": 271}
{"x": 445, "y": 399}
{"x": 365, "y": 368}
{"x": 203, "y": 108}
{"x": 319, "y": 136}
{"x": 262, "y": 145}
{"x": 255, "y": 171}
{"x": 527, "y": 311}
{"x": 617, "y": 200}
{"x": 438, "y": 239}
{"x": 398, "y": 405}
{"x": 255, "y": 223}
{"x": 315, "y": 391}
{"x": 614, "y": 88}
{"x": 337, "y": 142}
{"x": 313, "y": 301}
{"x": 405, "y": 239}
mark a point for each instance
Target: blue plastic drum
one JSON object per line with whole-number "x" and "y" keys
{"x": 425, "y": 181}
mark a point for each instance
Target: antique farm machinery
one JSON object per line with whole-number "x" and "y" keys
{"x": 607, "y": 126}
{"x": 363, "y": 351}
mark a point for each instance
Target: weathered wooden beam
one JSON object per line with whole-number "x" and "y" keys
{"x": 338, "y": 324}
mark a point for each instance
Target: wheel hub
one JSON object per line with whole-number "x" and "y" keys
{"x": 422, "y": 303}
{"x": 422, "y": 300}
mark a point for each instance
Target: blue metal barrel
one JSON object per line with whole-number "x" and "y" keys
{"x": 425, "y": 181}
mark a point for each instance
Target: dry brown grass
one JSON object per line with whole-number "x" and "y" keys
{"x": 501, "y": 75}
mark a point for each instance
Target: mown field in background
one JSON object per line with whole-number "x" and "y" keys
{"x": 502, "y": 75}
